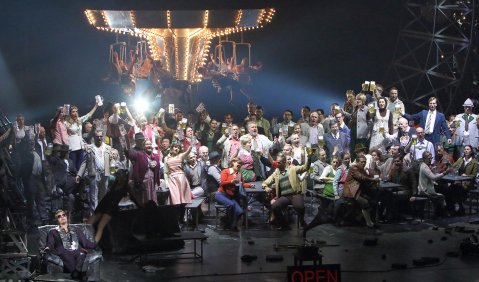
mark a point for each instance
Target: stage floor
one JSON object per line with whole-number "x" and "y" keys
{"x": 396, "y": 243}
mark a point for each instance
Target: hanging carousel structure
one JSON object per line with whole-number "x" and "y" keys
{"x": 180, "y": 40}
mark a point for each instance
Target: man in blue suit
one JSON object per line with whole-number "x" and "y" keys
{"x": 433, "y": 122}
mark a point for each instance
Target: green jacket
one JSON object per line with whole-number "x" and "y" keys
{"x": 293, "y": 172}
{"x": 471, "y": 168}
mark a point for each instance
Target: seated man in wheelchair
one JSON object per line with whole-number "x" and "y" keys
{"x": 70, "y": 244}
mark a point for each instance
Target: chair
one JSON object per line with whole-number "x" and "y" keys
{"x": 54, "y": 264}
{"x": 473, "y": 200}
{"x": 221, "y": 210}
{"x": 419, "y": 204}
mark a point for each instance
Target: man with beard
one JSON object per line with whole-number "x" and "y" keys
{"x": 96, "y": 165}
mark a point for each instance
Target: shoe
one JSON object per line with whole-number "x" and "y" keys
{"x": 374, "y": 226}
{"x": 283, "y": 228}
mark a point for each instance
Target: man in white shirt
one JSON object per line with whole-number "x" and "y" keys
{"x": 466, "y": 127}
{"x": 312, "y": 130}
{"x": 421, "y": 146}
{"x": 395, "y": 106}
{"x": 97, "y": 164}
{"x": 286, "y": 124}
{"x": 259, "y": 142}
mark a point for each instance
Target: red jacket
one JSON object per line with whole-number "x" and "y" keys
{"x": 227, "y": 175}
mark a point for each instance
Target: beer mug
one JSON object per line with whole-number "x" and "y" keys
{"x": 49, "y": 149}
{"x": 99, "y": 100}
{"x": 372, "y": 86}
{"x": 107, "y": 140}
{"x": 336, "y": 109}
{"x": 183, "y": 123}
{"x": 223, "y": 128}
{"x": 414, "y": 139}
{"x": 171, "y": 108}
{"x": 112, "y": 167}
{"x": 381, "y": 129}
{"x": 161, "y": 112}
{"x": 458, "y": 123}
{"x": 321, "y": 140}
{"x": 309, "y": 150}
{"x": 397, "y": 109}
{"x": 123, "y": 107}
{"x": 371, "y": 108}
{"x": 37, "y": 128}
{"x": 258, "y": 153}
{"x": 66, "y": 109}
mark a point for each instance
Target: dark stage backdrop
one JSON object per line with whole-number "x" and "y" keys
{"x": 312, "y": 52}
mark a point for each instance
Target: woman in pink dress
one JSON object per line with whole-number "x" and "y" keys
{"x": 180, "y": 191}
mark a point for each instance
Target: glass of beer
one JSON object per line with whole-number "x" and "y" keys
{"x": 372, "y": 86}
{"x": 183, "y": 123}
{"x": 258, "y": 152}
{"x": 66, "y": 109}
{"x": 112, "y": 167}
{"x": 223, "y": 128}
{"x": 171, "y": 108}
{"x": 49, "y": 149}
{"x": 107, "y": 140}
{"x": 371, "y": 108}
{"x": 123, "y": 107}
{"x": 381, "y": 129}
{"x": 414, "y": 139}
{"x": 99, "y": 100}
{"x": 321, "y": 140}
{"x": 336, "y": 109}
{"x": 397, "y": 109}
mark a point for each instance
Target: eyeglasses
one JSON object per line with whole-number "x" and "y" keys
{"x": 61, "y": 215}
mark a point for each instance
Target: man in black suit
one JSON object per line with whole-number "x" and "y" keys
{"x": 64, "y": 175}
{"x": 336, "y": 142}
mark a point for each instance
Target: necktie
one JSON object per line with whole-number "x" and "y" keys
{"x": 466, "y": 124}
{"x": 428, "y": 123}
{"x": 255, "y": 144}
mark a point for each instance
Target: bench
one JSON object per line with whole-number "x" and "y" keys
{"x": 194, "y": 205}
{"x": 184, "y": 236}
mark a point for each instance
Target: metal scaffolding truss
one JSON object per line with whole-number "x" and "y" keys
{"x": 433, "y": 50}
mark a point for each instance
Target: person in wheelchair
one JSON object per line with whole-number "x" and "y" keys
{"x": 70, "y": 244}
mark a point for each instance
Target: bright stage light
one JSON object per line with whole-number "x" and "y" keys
{"x": 141, "y": 105}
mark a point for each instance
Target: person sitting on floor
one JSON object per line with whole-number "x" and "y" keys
{"x": 70, "y": 244}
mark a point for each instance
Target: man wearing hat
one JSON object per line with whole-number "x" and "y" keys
{"x": 466, "y": 127}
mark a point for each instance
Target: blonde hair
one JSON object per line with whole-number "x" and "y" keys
{"x": 244, "y": 139}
